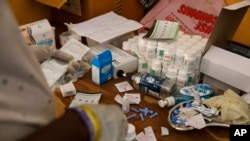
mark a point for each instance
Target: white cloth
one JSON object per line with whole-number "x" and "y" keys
{"x": 26, "y": 101}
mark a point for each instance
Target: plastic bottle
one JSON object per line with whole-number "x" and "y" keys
{"x": 190, "y": 59}
{"x": 182, "y": 79}
{"x": 152, "y": 85}
{"x": 125, "y": 104}
{"x": 160, "y": 50}
{"x": 164, "y": 71}
{"x": 169, "y": 53}
{"x": 126, "y": 46}
{"x": 151, "y": 49}
{"x": 205, "y": 91}
{"x": 191, "y": 77}
{"x": 134, "y": 48}
{"x": 142, "y": 64}
{"x": 179, "y": 57}
{"x": 142, "y": 45}
{"x": 198, "y": 49}
{"x": 171, "y": 75}
{"x": 156, "y": 68}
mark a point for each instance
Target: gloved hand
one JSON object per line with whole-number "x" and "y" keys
{"x": 107, "y": 121}
{"x": 75, "y": 67}
{"x": 43, "y": 53}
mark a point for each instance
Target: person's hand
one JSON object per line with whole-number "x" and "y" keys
{"x": 107, "y": 121}
{"x": 76, "y": 67}
{"x": 43, "y": 53}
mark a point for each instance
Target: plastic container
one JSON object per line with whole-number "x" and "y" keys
{"x": 171, "y": 75}
{"x": 182, "y": 79}
{"x": 125, "y": 104}
{"x": 131, "y": 134}
{"x": 205, "y": 91}
{"x": 142, "y": 64}
{"x": 190, "y": 59}
{"x": 169, "y": 54}
{"x": 151, "y": 49}
{"x": 152, "y": 85}
{"x": 156, "y": 68}
{"x": 160, "y": 50}
{"x": 126, "y": 46}
{"x": 179, "y": 57}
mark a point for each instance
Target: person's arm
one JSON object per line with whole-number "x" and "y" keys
{"x": 69, "y": 127}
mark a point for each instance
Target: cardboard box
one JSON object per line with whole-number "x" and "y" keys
{"x": 218, "y": 85}
{"x": 121, "y": 59}
{"x": 219, "y": 63}
{"x": 39, "y": 33}
{"x": 226, "y": 25}
{"x": 101, "y": 67}
{"x": 80, "y": 10}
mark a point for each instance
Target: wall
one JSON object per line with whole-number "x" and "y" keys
{"x": 242, "y": 34}
{"x": 27, "y": 11}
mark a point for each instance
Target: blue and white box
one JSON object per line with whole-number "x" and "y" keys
{"x": 102, "y": 70}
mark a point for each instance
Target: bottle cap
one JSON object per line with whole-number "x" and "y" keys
{"x": 162, "y": 103}
{"x": 170, "y": 101}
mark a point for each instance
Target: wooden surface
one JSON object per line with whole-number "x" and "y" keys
{"x": 109, "y": 91}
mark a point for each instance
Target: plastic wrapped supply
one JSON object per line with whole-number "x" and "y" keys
{"x": 233, "y": 108}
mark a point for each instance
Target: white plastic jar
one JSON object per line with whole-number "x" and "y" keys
{"x": 190, "y": 60}
{"x": 171, "y": 75}
{"x": 182, "y": 79}
{"x": 156, "y": 68}
{"x": 151, "y": 49}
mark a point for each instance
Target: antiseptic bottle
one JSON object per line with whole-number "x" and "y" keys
{"x": 204, "y": 91}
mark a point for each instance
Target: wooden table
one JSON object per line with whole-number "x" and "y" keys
{"x": 109, "y": 91}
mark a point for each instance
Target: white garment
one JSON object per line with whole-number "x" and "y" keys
{"x": 26, "y": 101}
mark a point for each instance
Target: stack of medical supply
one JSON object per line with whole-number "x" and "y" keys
{"x": 177, "y": 60}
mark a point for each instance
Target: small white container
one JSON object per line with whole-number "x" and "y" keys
{"x": 182, "y": 79}
{"x": 179, "y": 57}
{"x": 125, "y": 104}
{"x": 156, "y": 68}
{"x": 131, "y": 133}
{"x": 151, "y": 49}
{"x": 171, "y": 75}
{"x": 190, "y": 60}
{"x": 142, "y": 64}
